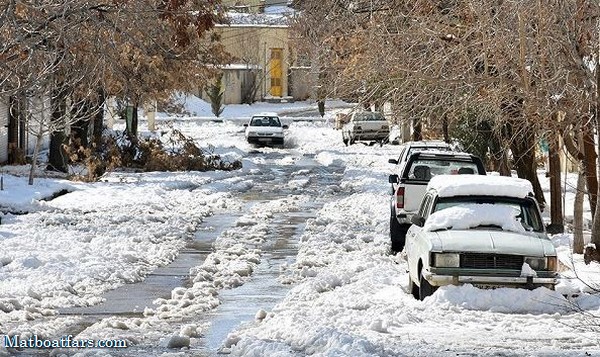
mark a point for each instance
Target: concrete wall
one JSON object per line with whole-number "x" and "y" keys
{"x": 301, "y": 83}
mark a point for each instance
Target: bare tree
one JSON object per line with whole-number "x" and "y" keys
{"x": 523, "y": 61}
{"x": 72, "y": 54}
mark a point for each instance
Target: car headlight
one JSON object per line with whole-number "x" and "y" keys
{"x": 446, "y": 260}
{"x": 552, "y": 263}
{"x": 537, "y": 263}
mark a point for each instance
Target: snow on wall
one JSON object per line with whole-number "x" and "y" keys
{"x": 469, "y": 185}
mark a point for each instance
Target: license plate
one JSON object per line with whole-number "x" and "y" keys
{"x": 489, "y": 286}
{"x": 264, "y": 139}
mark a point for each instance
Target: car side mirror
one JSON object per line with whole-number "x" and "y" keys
{"x": 417, "y": 220}
{"x": 393, "y": 179}
{"x": 285, "y": 127}
{"x": 246, "y": 124}
{"x": 393, "y": 161}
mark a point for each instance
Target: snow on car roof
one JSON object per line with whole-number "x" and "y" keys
{"x": 474, "y": 185}
{"x": 427, "y": 143}
{"x": 474, "y": 215}
{"x": 444, "y": 153}
{"x": 265, "y": 114}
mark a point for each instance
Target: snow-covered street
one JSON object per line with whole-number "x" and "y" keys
{"x": 289, "y": 256}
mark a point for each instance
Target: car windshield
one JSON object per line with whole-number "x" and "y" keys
{"x": 265, "y": 121}
{"x": 369, "y": 116}
{"x": 425, "y": 169}
{"x": 525, "y": 210}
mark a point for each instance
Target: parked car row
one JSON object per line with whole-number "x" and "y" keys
{"x": 455, "y": 224}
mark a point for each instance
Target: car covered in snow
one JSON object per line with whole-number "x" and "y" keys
{"x": 265, "y": 129}
{"x": 483, "y": 230}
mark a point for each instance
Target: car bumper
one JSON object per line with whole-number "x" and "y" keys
{"x": 265, "y": 140}
{"x": 489, "y": 281}
{"x": 370, "y": 135}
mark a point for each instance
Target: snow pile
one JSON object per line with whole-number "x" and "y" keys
{"x": 502, "y": 300}
{"x": 18, "y": 196}
{"x": 237, "y": 253}
{"x": 349, "y": 295}
{"x": 453, "y": 185}
{"x": 99, "y": 237}
{"x": 473, "y": 215}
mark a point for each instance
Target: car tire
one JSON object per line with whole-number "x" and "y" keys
{"x": 414, "y": 289}
{"x": 397, "y": 233}
{"x": 345, "y": 141}
{"x": 425, "y": 289}
{"x": 350, "y": 141}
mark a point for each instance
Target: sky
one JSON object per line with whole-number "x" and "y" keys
{"x": 348, "y": 296}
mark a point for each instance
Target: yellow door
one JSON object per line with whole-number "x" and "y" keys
{"x": 275, "y": 71}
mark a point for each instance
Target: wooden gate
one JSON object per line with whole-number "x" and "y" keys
{"x": 275, "y": 71}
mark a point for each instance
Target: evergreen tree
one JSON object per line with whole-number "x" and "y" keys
{"x": 215, "y": 94}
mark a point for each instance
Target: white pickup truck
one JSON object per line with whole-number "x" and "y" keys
{"x": 411, "y": 179}
{"x": 366, "y": 126}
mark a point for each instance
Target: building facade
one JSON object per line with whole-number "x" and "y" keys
{"x": 263, "y": 65}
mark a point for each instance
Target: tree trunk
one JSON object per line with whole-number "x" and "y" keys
{"x": 417, "y": 135}
{"x": 578, "y": 214}
{"x": 445, "y": 130}
{"x": 590, "y": 168}
{"x": 499, "y": 155}
{"x": 99, "y": 122}
{"x": 575, "y": 149}
{"x": 504, "y": 168}
{"x": 79, "y": 132}
{"x": 321, "y": 107}
{"x": 38, "y": 144}
{"x": 14, "y": 113}
{"x": 98, "y": 128}
{"x": 556, "y": 210}
{"x": 44, "y": 124}
{"x": 592, "y": 252}
{"x": 523, "y": 150}
{"x": 132, "y": 120}
{"x": 57, "y": 158}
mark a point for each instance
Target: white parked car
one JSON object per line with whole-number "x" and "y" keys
{"x": 265, "y": 129}
{"x": 366, "y": 126}
{"x": 482, "y": 230}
